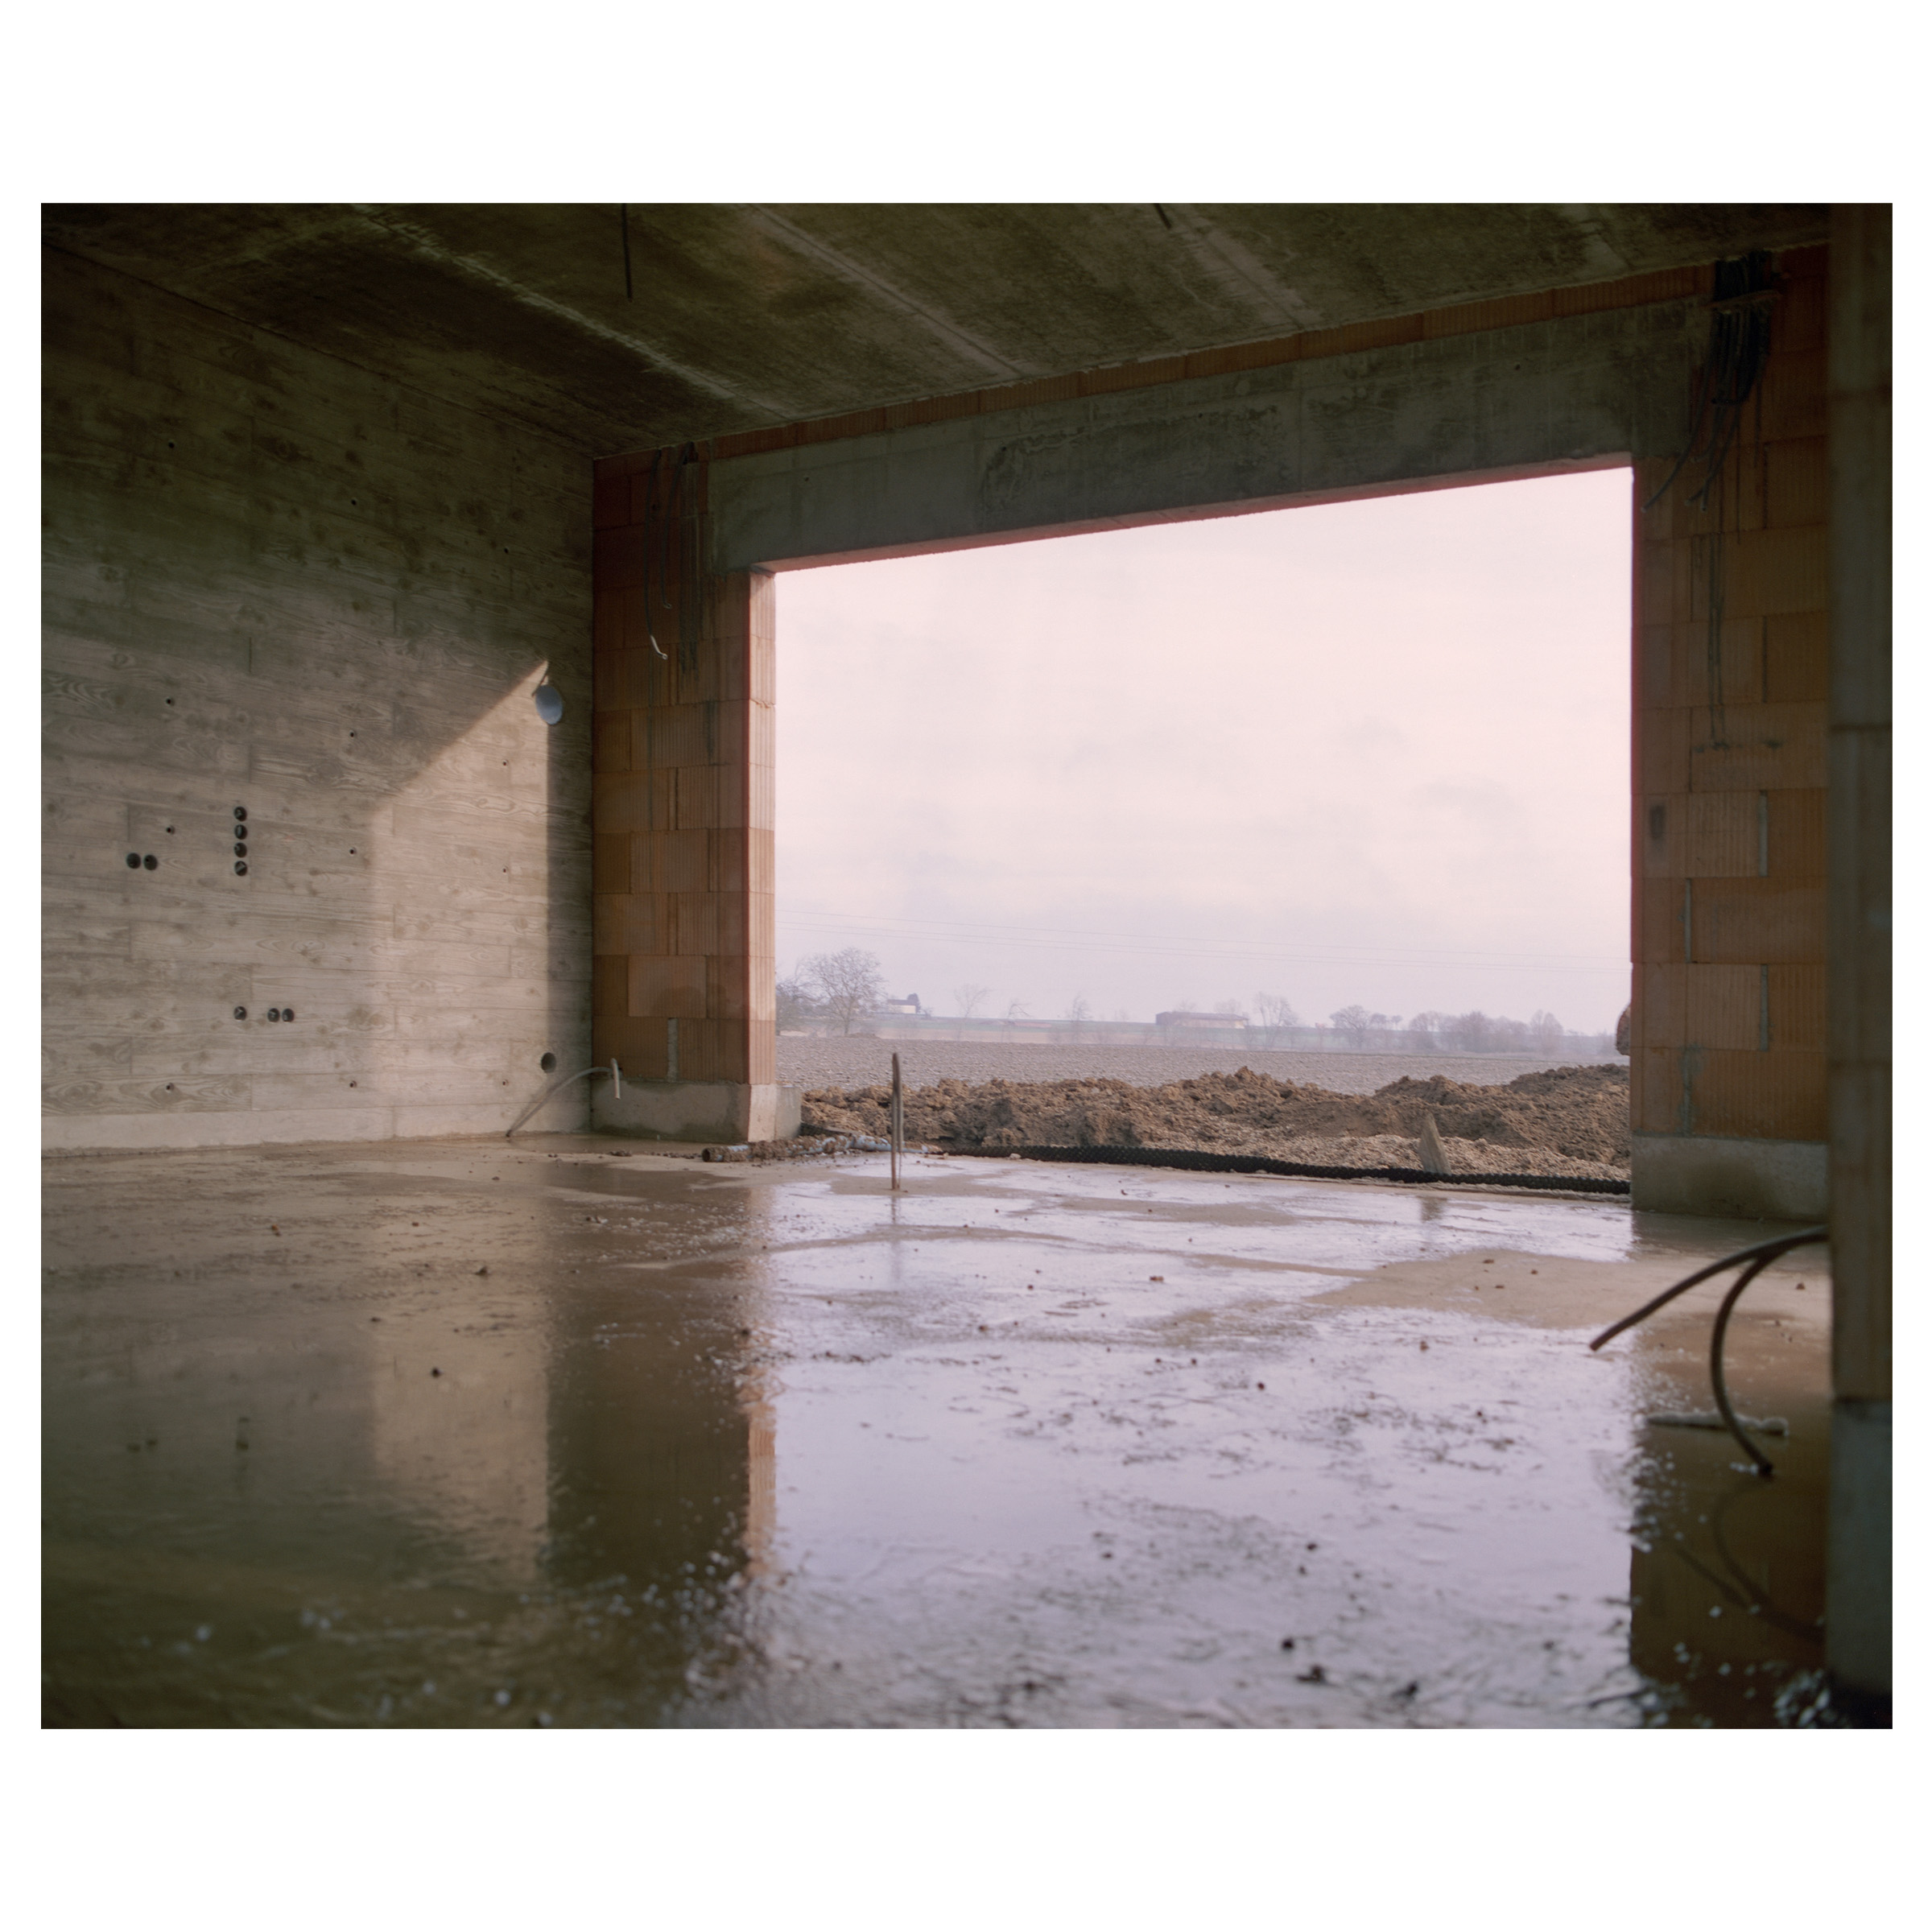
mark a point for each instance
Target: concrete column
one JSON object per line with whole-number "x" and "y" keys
{"x": 1859, "y": 1579}
{"x": 684, "y": 970}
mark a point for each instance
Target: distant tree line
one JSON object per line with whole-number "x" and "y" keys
{"x": 840, "y": 992}
{"x": 1479, "y": 1032}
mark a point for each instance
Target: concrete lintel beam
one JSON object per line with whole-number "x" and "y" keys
{"x": 1543, "y": 398}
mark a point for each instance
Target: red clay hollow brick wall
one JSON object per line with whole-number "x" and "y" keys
{"x": 1728, "y": 746}
{"x": 681, "y": 765}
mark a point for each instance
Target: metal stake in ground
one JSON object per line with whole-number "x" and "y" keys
{"x": 899, "y": 1121}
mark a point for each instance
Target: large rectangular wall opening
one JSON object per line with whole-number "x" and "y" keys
{"x": 1350, "y": 778}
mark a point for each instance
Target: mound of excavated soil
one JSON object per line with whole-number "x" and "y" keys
{"x": 858, "y": 1059}
{"x": 1563, "y": 1121}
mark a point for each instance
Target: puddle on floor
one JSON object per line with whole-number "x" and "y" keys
{"x": 460, "y": 1435}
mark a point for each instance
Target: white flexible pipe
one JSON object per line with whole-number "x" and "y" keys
{"x": 556, "y": 1087}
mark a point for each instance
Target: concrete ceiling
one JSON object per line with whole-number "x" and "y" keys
{"x": 744, "y": 316}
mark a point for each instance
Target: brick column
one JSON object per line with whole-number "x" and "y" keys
{"x": 682, "y": 816}
{"x": 1728, "y": 728}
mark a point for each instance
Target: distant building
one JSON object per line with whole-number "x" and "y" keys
{"x": 910, "y": 1004}
{"x": 1217, "y": 1020}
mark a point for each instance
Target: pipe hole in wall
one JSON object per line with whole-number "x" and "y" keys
{"x": 548, "y": 1064}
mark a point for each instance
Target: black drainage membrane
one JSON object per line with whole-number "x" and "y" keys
{"x": 1257, "y": 1163}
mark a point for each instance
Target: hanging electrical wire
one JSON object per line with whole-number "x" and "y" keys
{"x": 669, "y": 527}
{"x": 672, "y": 527}
{"x": 650, "y": 493}
{"x": 1742, "y": 295}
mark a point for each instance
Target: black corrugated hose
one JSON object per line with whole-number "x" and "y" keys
{"x": 1753, "y": 1261}
{"x": 1202, "y": 1163}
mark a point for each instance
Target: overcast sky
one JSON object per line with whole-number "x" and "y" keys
{"x": 1371, "y": 752}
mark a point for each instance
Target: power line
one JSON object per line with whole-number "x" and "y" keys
{"x": 1073, "y": 939}
{"x": 819, "y": 914}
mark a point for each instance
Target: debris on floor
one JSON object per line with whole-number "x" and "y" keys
{"x": 800, "y": 1148}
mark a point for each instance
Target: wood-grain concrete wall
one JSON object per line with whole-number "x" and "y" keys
{"x": 277, "y": 582}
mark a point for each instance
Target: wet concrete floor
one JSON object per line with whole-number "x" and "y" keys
{"x": 573, "y": 1432}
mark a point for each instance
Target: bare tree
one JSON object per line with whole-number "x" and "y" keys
{"x": 1077, "y": 1014}
{"x": 849, "y": 983}
{"x": 1015, "y": 1012}
{"x": 969, "y": 999}
{"x": 796, "y": 1004}
{"x": 1278, "y": 1018}
{"x": 1355, "y": 1021}
{"x": 1424, "y": 1028}
{"x": 1546, "y": 1031}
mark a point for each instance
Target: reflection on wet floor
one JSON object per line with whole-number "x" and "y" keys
{"x": 1726, "y": 1570}
{"x": 573, "y": 1434}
